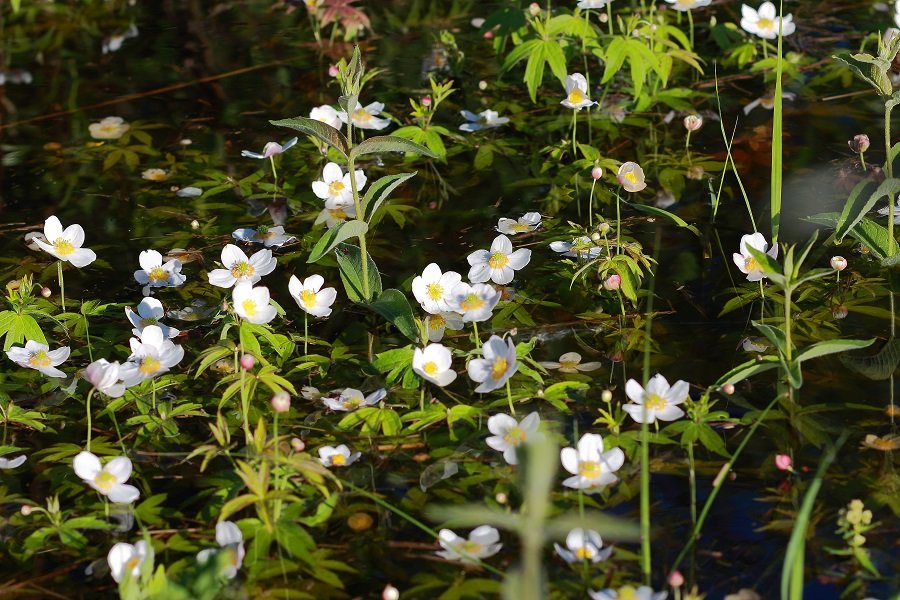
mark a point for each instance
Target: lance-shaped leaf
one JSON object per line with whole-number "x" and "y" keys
{"x": 832, "y": 347}
{"x": 349, "y": 258}
{"x": 659, "y": 212}
{"x": 858, "y": 204}
{"x": 388, "y": 143}
{"x": 349, "y": 103}
{"x": 879, "y": 366}
{"x": 395, "y": 308}
{"x": 321, "y": 131}
{"x": 748, "y": 369}
{"x": 336, "y": 235}
{"x": 379, "y": 191}
{"x": 871, "y": 69}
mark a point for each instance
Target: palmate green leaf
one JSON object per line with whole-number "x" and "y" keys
{"x": 395, "y": 308}
{"x": 336, "y": 235}
{"x": 534, "y": 70}
{"x": 321, "y": 131}
{"x": 349, "y": 260}
{"x": 18, "y": 328}
{"x": 858, "y": 204}
{"x": 520, "y": 52}
{"x": 659, "y": 212}
{"x": 389, "y": 143}
{"x": 879, "y": 366}
{"x": 379, "y": 191}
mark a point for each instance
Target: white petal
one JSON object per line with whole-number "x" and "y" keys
{"x": 86, "y": 465}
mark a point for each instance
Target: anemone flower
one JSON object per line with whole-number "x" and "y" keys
{"x": 337, "y": 215}
{"x": 628, "y": 592}
{"x": 591, "y": 467}
{"x": 580, "y": 247}
{"x": 497, "y": 366}
{"x": 487, "y": 119}
{"x": 577, "y": 92}
{"x": 474, "y": 303}
{"x": 631, "y": 177}
{"x": 310, "y": 296}
{"x": 433, "y": 288}
{"x": 335, "y": 187}
{"x": 337, "y": 456}
{"x": 231, "y": 540}
{"x": 127, "y": 558}
{"x": 746, "y": 262}
{"x": 658, "y": 401}
{"x": 150, "y": 311}
{"x": 12, "y": 463}
{"x": 510, "y": 435}
{"x": 270, "y": 149}
{"x": 270, "y": 237}
{"x": 252, "y": 303}
{"x": 326, "y": 114}
{"x": 434, "y": 363}
{"x": 38, "y": 356}
{"x": 765, "y": 22}
{"x": 498, "y": 264}
{"x": 436, "y": 324}
{"x": 686, "y": 5}
{"x": 65, "y": 244}
{"x": 366, "y": 117}
{"x": 592, "y": 4}
{"x": 570, "y": 362}
{"x": 583, "y": 545}
{"x": 151, "y": 355}
{"x": 110, "y": 128}
{"x": 154, "y": 273}
{"x": 104, "y": 377}
{"x": 351, "y": 399}
{"x": 239, "y": 268}
{"x": 524, "y": 224}
{"x": 107, "y": 479}
{"x": 483, "y": 542}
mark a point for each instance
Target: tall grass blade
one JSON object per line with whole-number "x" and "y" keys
{"x": 775, "y": 200}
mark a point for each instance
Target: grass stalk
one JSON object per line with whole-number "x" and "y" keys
{"x": 775, "y": 198}
{"x": 62, "y": 284}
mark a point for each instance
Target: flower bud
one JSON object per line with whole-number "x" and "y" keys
{"x": 728, "y": 389}
{"x": 482, "y": 85}
{"x": 26, "y": 510}
{"x": 676, "y": 579}
{"x": 333, "y": 71}
{"x": 195, "y": 224}
{"x": 604, "y": 17}
{"x": 297, "y": 444}
{"x": 45, "y": 292}
{"x": 695, "y": 172}
{"x": 603, "y": 228}
{"x": 839, "y": 312}
{"x": 247, "y": 362}
{"x": 426, "y": 100}
{"x": 606, "y": 396}
{"x": 860, "y": 143}
{"x": 534, "y": 9}
{"x": 281, "y": 402}
{"x": 693, "y": 122}
{"x": 488, "y": 35}
{"x": 838, "y": 263}
{"x": 596, "y": 173}
{"x": 612, "y": 282}
{"x": 501, "y": 498}
{"x": 390, "y": 593}
{"x": 783, "y": 462}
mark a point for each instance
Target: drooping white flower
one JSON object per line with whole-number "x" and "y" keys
{"x": 659, "y": 401}
{"x": 110, "y": 128}
{"x": 592, "y": 469}
{"x": 127, "y": 558}
{"x": 631, "y": 177}
{"x": 153, "y": 273}
{"x": 12, "y": 463}
{"x": 498, "y": 264}
{"x": 497, "y": 366}
{"x": 326, "y": 114}
{"x": 487, "y": 119}
{"x": 592, "y": 4}
{"x": 104, "y": 376}
{"x": 570, "y": 362}
{"x": 483, "y": 542}
{"x": 114, "y": 42}
{"x": 764, "y": 22}
{"x": 270, "y": 149}
{"x": 38, "y": 356}
{"x": 151, "y": 355}
{"x": 767, "y": 101}
{"x": 252, "y": 303}
{"x": 745, "y": 261}
{"x": 230, "y": 540}
{"x": 686, "y": 5}
{"x": 524, "y": 224}
{"x": 510, "y": 435}
{"x": 65, "y": 244}
{"x": 270, "y": 237}
{"x": 583, "y": 545}
{"x": 577, "y": 92}
{"x": 473, "y": 303}
{"x": 335, "y": 187}
{"x": 433, "y": 288}
{"x": 310, "y": 296}
{"x": 628, "y": 592}
{"x": 438, "y": 323}
{"x": 366, "y": 117}
{"x": 580, "y": 247}
{"x": 339, "y": 456}
{"x": 351, "y": 399}
{"x": 155, "y": 174}
{"x": 434, "y": 363}
{"x": 150, "y": 311}
{"x": 107, "y": 479}
{"x": 239, "y": 268}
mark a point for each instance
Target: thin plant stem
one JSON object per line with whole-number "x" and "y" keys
{"x": 762, "y": 301}
{"x": 692, "y": 482}
{"x": 687, "y": 145}
{"x": 87, "y": 335}
{"x": 477, "y": 339}
{"x": 690, "y": 16}
{"x": 305, "y": 333}
{"x": 115, "y": 421}
{"x": 87, "y": 409}
{"x": 364, "y": 256}
{"x": 512, "y": 409}
{"x": 62, "y": 284}
{"x": 574, "y": 131}
{"x": 422, "y": 397}
{"x": 862, "y": 162}
{"x": 591, "y": 204}
{"x": 153, "y": 392}
{"x": 618, "y": 223}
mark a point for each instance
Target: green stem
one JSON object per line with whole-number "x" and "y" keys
{"x": 889, "y": 170}
{"x": 591, "y": 204}
{"x": 574, "y": 132}
{"x": 618, "y": 223}
{"x": 692, "y": 482}
{"x": 862, "y": 161}
{"x": 477, "y": 339}
{"x": 87, "y": 335}
{"x": 305, "y": 333}
{"x": 687, "y": 142}
{"x": 512, "y": 409}
{"x": 422, "y": 397}
{"x": 153, "y": 392}
{"x": 364, "y": 257}
{"x": 690, "y": 16}
{"x": 87, "y": 405}
{"x": 62, "y": 284}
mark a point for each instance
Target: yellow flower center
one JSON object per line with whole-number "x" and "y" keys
{"x": 132, "y": 564}
{"x": 39, "y": 359}
{"x": 498, "y": 260}
{"x": 105, "y": 481}
{"x": 338, "y": 460}
{"x": 360, "y": 114}
{"x": 686, "y": 2}
{"x": 470, "y": 547}
{"x": 436, "y": 322}
{"x": 430, "y": 367}
{"x": 308, "y": 298}
{"x": 590, "y": 469}
{"x": 568, "y": 364}
{"x": 109, "y": 128}
{"x": 520, "y": 227}
{"x": 157, "y": 274}
{"x": 149, "y": 365}
{"x": 628, "y": 593}
{"x": 335, "y": 188}
{"x": 655, "y": 402}
{"x": 249, "y": 307}
{"x": 576, "y": 96}
{"x": 242, "y": 270}
{"x": 499, "y": 368}
{"x": 766, "y": 24}
{"x": 338, "y": 214}
{"x": 583, "y": 553}
{"x": 350, "y": 404}
{"x": 472, "y": 302}
{"x": 63, "y": 247}
{"x": 630, "y": 176}
{"x": 515, "y": 437}
{"x": 434, "y": 291}
{"x": 751, "y": 264}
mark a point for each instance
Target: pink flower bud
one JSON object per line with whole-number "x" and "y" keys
{"x": 860, "y": 143}
{"x": 488, "y": 35}
{"x": 45, "y": 292}
{"x": 426, "y": 100}
{"x": 612, "y": 282}
{"x": 390, "y": 593}
{"x": 297, "y": 444}
{"x": 534, "y": 9}
{"x": 676, "y": 579}
{"x": 281, "y": 402}
{"x": 840, "y": 312}
{"x": 838, "y": 263}
{"x": 482, "y": 85}
{"x": 783, "y": 462}
{"x": 728, "y": 389}
{"x": 333, "y": 71}
{"x": 247, "y": 362}
{"x": 693, "y": 122}
{"x": 596, "y": 173}
{"x": 26, "y": 510}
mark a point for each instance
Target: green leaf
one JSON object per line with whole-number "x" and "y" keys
{"x": 389, "y": 143}
{"x": 349, "y": 260}
{"x": 748, "y": 369}
{"x": 879, "y": 366}
{"x": 534, "y": 70}
{"x": 774, "y": 335}
{"x": 876, "y": 237}
{"x": 556, "y": 59}
{"x": 653, "y": 210}
{"x": 832, "y": 347}
{"x": 858, "y": 204}
{"x": 321, "y": 131}
{"x": 379, "y": 191}
{"x": 393, "y": 306}
{"x": 336, "y": 235}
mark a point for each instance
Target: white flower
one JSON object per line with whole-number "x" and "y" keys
{"x": 65, "y": 244}
{"x": 437, "y": 323}
{"x": 151, "y": 355}
{"x": 473, "y": 302}
{"x": 745, "y": 261}
{"x": 366, "y": 117}
{"x": 628, "y": 593}
{"x": 686, "y": 5}
{"x": 510, "y": 434}
{"x": 114, "y": 42}
{"x": 583, "y": 545}
{"x": 432, "y": 288}
{"x": 153, "y": 273}
{"x": 487, "y": 119}
{"x": 149, "y": 312}
{"x": 231, "y": 540}
{"x": 754, "y": 345}
{"x": 497, "y": 366}
{"x": 525, "y": 224}
{"x": 110, "y": 479}
{"x": 189, "y": 192}
{"x": 570, "y": 362}
{"x": 336, "y": 215}
{"x": 252, "y": 303}
{"x": 239, "y": 268}
{"x": 110, "y": 128}
{"x": 335, "y": 186}
{"x": 658, "y": 400}
{"x": 38, "y": 356}
{"x": 14, "y": 463}
{"x": 104, "y": 376}
{"x": 270, "y": 149}
{"x": 326, "y": 114}
{"x": 268, "y": 236}
{"x": 591, "y": 467}
{"x": 126, "y": 558}
{"x": 155, "y": 174}
{"x": 577, "y": 92}
{"x": 767, "y": 101}
{"x": 483, "y": 542}
{"x": 310, "y": 296}
{"x": 498, "y": 264}
{"x": 588, "y": 4}
{"x": 581, "y": 247}
{"x": 764, "y": 22}
{"x": 339, "y": 456}
{"x": 631, "y": 177}
{"x": 434, "y": 363}
{"x": 351, "y": 399}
